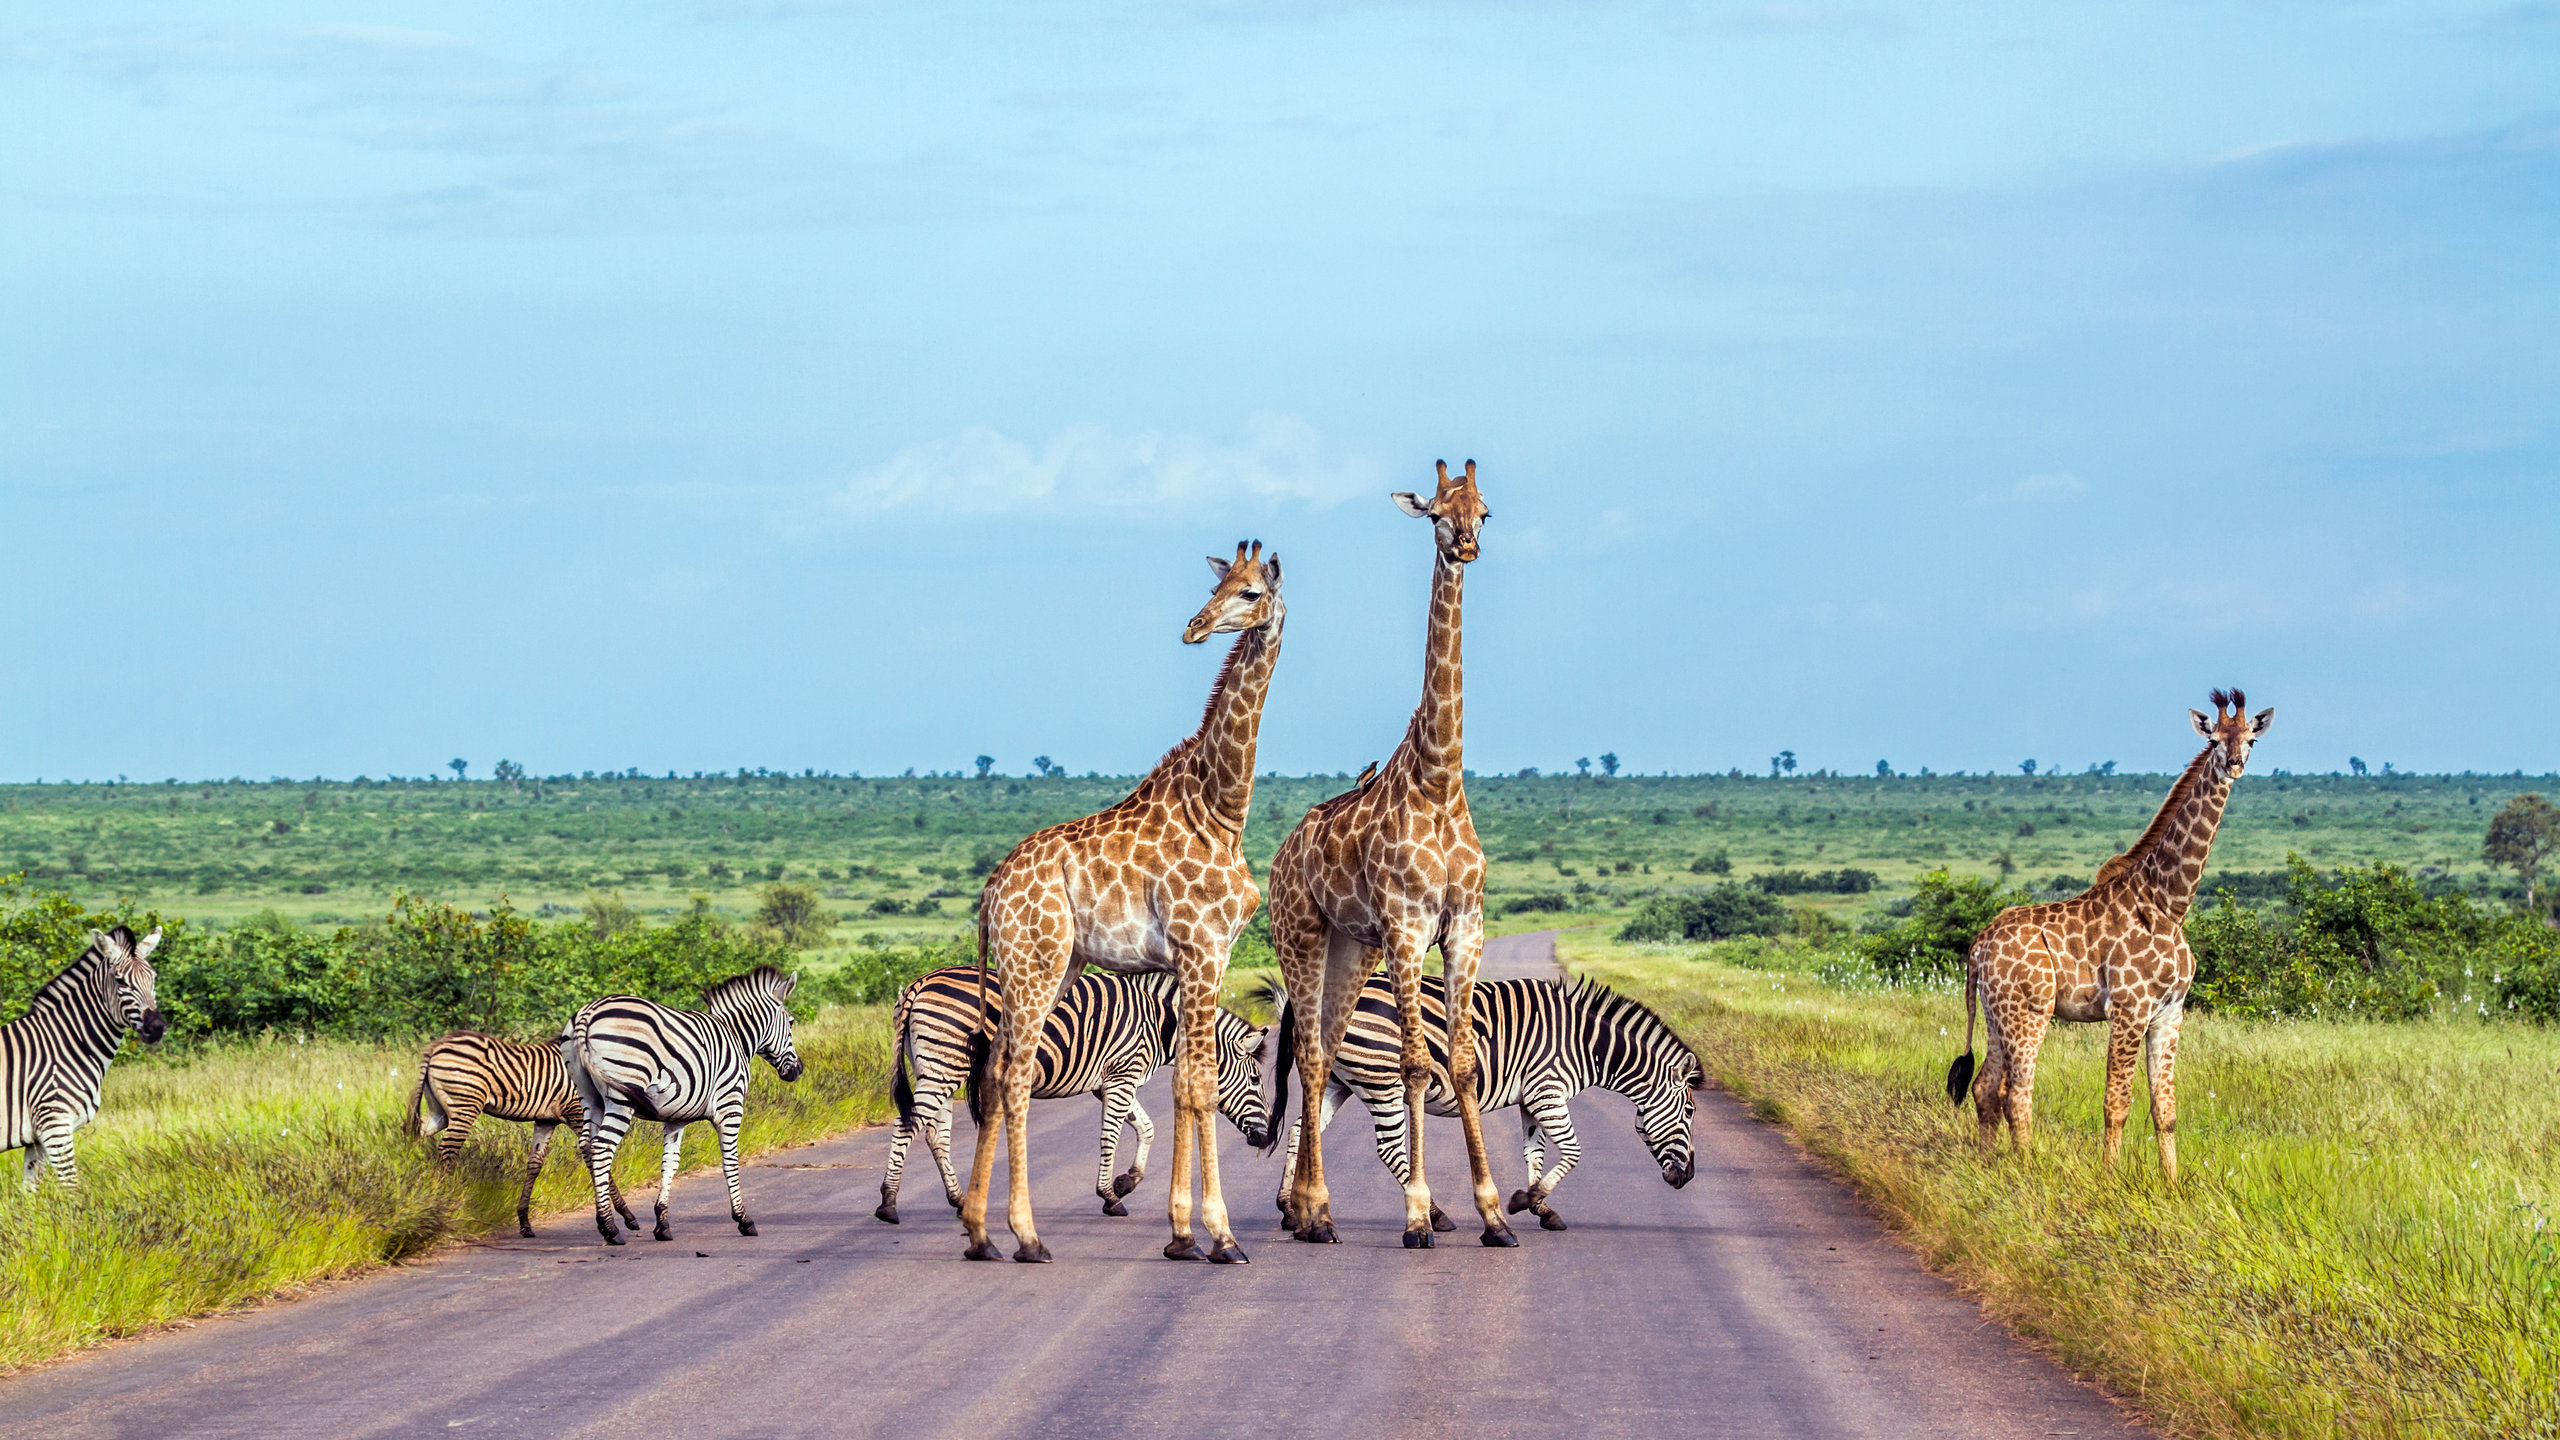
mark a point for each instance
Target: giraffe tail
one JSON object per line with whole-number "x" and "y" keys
{"x": 981, "y": 1045}
{"x": 1288, "y": 1030}
{"x": 1960, "y": 1074}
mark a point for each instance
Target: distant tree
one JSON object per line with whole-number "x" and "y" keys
{"x": 609, "y": 915}
{"x": 2007, "y": 863}
{"x": 458, "y": 766}
{"x": 1884, "y": 771}
{"x": 2355, "y": 765}
{"x": 2521, "y": 837}
{"x": 985, "y": 764}
{"x": 2027, "y": 768}
{"x": 792, "y": 915}
{"x": 1583, "y": 765}
{"x": 1786, "y": 762}
{"x": 1608, "y": 766}
{"x": 1043, "y": 764}
{"x": 509, "y": 774}
{"x": 1527, "y": 772}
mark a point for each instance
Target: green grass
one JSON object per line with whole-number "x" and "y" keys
{"x": 2362, "y": 1241}
{"x": 236, "y": 1172}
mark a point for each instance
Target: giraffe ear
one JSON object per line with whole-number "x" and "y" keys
{"x": 1271, "y": 571}
{"x": 1412, "y": 504}
{"x": 1218, "y": 567}
{"x": 2204, "y": 727}
{"x": 2258, "y": 723}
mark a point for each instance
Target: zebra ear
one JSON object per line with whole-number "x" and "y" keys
{"x": 149, "y": 942}
{"x": 115, "y": 944}
{"x": 790, "y": 982}
{"x": 1261, "y": 1043}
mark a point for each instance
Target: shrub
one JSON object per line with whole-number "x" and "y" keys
{"x": 793, "y": 916}
{"x": 1931, "y": 938}
{"x": 1820, "y": 882}
{"x": 1718, "y": 914}
{"x": 1718, "y": 863}
{"x": 1526, "y": 904}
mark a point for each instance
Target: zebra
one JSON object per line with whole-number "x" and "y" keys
{"x": 630, "y": 1058}
{"x": 1108, "y": 1033}
{"x": 467, "y": 1074}
{"x": 1538, "y": 1044}
{"x": 54, "y": 1057}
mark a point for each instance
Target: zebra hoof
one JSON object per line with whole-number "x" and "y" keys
{"x": 1321, "y": 1233}
{"x": 886, "y": 1214}
{"x": 1551, "y": 1221}
{"x": 1228, "y": 1255}
{"x": 746, "y": 1226}
{"x": 1033, "y": 1253}
{"x": 983, "y": 1250}
{"x": 1418, "y": 1239}
{"x": 1518, "y": 1202}
{"x": 1440, "y": 1222}
{"x": 1499, "y": 1237}
{"x": 1113, "y": 1206}
{"x": 662, "y": 1233}
{"x": 1126, "y": 1181}
{"x": 1181, "y": 1250}
{"x": 612, "y": 1239}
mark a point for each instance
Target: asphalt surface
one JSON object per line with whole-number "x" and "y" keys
{"x": 1759, "y": 1301}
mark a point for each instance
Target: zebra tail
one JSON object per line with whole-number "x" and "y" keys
{"x": 901, "y": 1091}
{"x": 1960, "y": 1074}
{"x": 1287, "y": 1028}
{"x": 417, "y": 1102}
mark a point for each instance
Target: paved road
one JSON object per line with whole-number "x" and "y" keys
{"x": 1759, "y": 1301}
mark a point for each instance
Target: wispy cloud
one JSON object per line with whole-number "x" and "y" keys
{"x": 1271, "y": 458}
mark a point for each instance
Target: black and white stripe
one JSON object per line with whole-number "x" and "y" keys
{"x": 54, "y": 1058}
{"x": 467, "y": 1075}
{"x": 1107, "y": 1034}
{"x": 1538, "y": 1044}
{"x": 633, "y": 1059}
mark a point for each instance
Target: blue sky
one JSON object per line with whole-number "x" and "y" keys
{"x": 857, "y": 386}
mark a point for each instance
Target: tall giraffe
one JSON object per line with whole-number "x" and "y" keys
{"x": 1393, "y": 867}
{"x": 2117, "y": 953}
{"x": 1156, "y": 882}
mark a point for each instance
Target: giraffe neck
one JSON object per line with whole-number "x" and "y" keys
{"x": 2169, "y": 858}
{"x": 1439, "y": 722}
{"x": 1223, "y": 759}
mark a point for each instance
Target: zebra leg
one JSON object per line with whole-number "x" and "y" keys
{"x": 1461, "y": 952}
{"x": 35, "y": 1165}
{"x": 1118, "y": 1096}
{"x": 937, "y": 1138}
{"x": 1532, "y": 1153}
{"x": 727, "y": 1123}
{"x": 1554, "y": 1120}
{"x": 606, "y": 1126}
{"x": 533, "y": 1171}
{"x": 897, "y": 1166}
{"x": 670, "y": 1155}
{"x": 53, "y": 1134}
{"x": 455, "y": 1131}
{"x": 620, "y": 1207}
{"x": 1146, "y": 1126}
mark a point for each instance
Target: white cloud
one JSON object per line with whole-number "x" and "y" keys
{"x": 1273, "y": 458}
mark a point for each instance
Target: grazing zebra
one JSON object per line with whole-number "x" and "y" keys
{"x": 1107, "y": 1035}
{"x": 54, "y": 1057}
{"x": 630, "y": 1058}
{"x": 466, "y": 1075}
{"x": 1538, "y": 1044}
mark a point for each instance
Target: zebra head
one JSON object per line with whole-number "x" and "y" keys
{"x": 129, "y": 962}
{"x": 751, "y": 1005}
{"x": 1653, "y": 1067}
{"x": 1240, "y": 1050}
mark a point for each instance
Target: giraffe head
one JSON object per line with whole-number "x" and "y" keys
{"x": 2232, "y": 728}
{"x": 1456, "y": 512}
{"x": 1247, "y": 597}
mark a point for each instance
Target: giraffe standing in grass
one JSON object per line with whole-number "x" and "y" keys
{"x": 2117, "y": 953}
{"x": 1156, "y": 882}
{"x": 1393, "y": 868}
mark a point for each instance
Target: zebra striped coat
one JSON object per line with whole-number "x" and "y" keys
{"x": 1108, "y": 1033}
{"x": 53, "y": 1059}
{"x": 633, "y": 1059}
{"x": 1538, "y": 1044}
{"x": 466, "y": 1075}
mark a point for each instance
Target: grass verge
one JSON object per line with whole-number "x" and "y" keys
{"x": 2362, "y": 1242}
{"x": 231, "y": 1173}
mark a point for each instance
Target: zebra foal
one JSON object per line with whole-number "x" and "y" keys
{"x": 1107, "y": 1034}
{"x": 54, "y": 1057}
{"x": 1538, "y": 1044}
{"x": 467, "y": 1075}
{"x": 633, "y": 1059}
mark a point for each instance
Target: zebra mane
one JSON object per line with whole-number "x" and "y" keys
{"x": 1626, "y": 1012}
{"x": 74, "y": 976}
{"x": 762, "y": 980}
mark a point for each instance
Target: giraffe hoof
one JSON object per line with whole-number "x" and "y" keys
{"x": 1499, "y": 1237}
{"x": 1126, "y": 1181}
{"x": 1418, "y": 1240}
{"x": 983, "y": 1250}
{"x": 1181, "y": 1250}
{"x": 1441, "y": 1223}
{"x": 1548, "y": 1220}
{"x": 746, "y": 1226}
{"x": 886, "y": 1214}
{"x": 1032, "y": 1253}
{"x": 1113, "y": 1206}
{"x": 1228, "y": 1255}
{"x": 1320, "y": 1233}
{"x": 1518, "y": 1202}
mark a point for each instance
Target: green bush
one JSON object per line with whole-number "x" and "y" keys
{"x": 1820, "y": 882}
{"x": 1548, "y": 902}
{"x": 2367, "y": 942}
{"x": 1931, "y": 939}
{"x": 1718, "y": 914}
{"x": 878, "y": 970}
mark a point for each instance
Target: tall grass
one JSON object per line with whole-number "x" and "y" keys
{"x": 225, "y": 1174}
{"x": 2362, "y": 1241}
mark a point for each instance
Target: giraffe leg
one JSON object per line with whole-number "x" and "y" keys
{"x": 533, "y": 1171}
{"x": 1404, "y": 964}
{"x": 2160, "y": 1047}
{"x": 2127, "y": 1022}
{"x": 1330, "y": 992}
{"x": 1028, "y": 1002}
{"x": 1461, "y": 953}
{"x": 670, "y": 1155}
{"x": 2021, "y": 1080}
{"x": 1991, "y": 1082}
{"x": 1195, "y": 1104}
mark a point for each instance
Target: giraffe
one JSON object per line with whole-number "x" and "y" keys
{"x": 2117, "y": 953}
{"x": 1156, "y": 882}
{"x": 1393, "y": 868}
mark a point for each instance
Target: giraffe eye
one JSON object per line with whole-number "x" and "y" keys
{"x": 1252, "y": 594}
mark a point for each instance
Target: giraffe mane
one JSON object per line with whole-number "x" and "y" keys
{"x": 2151, "y": 837}
{"x": 1180, "y": 755}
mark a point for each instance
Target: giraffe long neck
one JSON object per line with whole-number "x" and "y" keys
{"x": 2169, "y": 858}
{"x": 1440, "y": 722}
{"x": 1223, "y": 759}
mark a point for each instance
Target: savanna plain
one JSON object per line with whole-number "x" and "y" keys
{"x": 2361, "y": 1240}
